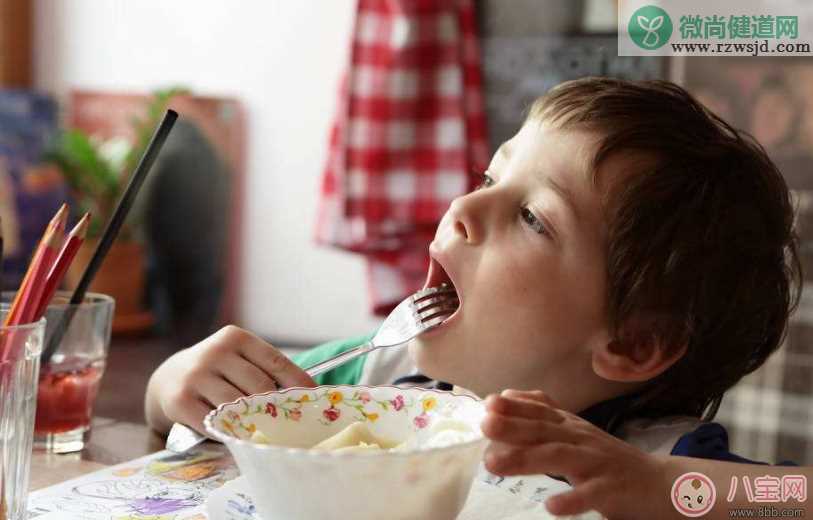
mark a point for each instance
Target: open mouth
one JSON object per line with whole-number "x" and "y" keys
{"x": 437, "y": 277}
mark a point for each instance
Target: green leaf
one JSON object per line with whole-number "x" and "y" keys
{"x": 85, "y": 170}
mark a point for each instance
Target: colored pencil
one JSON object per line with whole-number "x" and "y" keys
{"x": 32, "y": 293}
{"x": 33, "y": 281}
{"x": 43, "y": 253}
{"x": 71, "y": 246}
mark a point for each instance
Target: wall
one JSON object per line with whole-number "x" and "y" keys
{"x": 282, "y": 59}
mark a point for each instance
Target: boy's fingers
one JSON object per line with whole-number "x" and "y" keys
{"x": 274, "y": 363}
{"x": 576, "y": 501}
{"x": 558, "y": 458}
{"x": 191, "y": 412}
{"x": 532, "y": 395}
{"x": 216, "y": 391}
{"x": 197, "y": 412}
{"x": 246, "y": 376}
{"x": 518, "y": 430}
{"x": 520, "y": 407}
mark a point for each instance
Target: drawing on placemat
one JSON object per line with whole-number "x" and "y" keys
{"x": 161, "y": 486}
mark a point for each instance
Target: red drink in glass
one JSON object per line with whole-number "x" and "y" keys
{"x": 69, "y": 382}
{"x": 67, "y": 391}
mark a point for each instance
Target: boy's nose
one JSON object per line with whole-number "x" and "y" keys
{"x": 464, "y": 220}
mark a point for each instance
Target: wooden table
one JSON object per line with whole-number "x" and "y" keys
{"x": 111, "y": 442}
{"x": 118, "y": 432}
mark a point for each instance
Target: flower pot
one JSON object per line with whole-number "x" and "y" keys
{"x": 121, "y": 276}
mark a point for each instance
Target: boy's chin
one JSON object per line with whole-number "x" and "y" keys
{"x": 416, "y": 349}
{"x": 437, "y": 365}
{"x": 424, "y": 360}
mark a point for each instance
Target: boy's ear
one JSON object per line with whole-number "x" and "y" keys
{"x": 637, "y": 362}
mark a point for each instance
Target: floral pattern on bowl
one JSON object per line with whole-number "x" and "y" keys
{"x": 331, "y": 408}
{"x": 334, "y": 403}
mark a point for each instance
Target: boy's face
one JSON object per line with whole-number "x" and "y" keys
{"x": 526, "y": 254}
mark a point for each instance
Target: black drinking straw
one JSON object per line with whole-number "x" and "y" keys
{"x": 112, "y": 230}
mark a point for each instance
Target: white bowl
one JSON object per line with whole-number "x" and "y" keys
{"x": 290, "y": 481}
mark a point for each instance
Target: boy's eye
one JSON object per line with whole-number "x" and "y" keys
{"x": 484, "y": 180}
{"x": 527, "y": 216}
{"x": 534, "y": 223}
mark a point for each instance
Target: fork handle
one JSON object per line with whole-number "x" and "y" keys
{"x": 341, "y": 359}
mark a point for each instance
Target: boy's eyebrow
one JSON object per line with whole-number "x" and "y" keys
{"x": 564, "y": 194}
{"x": 504, "y": 152}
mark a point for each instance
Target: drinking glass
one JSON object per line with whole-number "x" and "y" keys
{"x": 69, "y": 380}
{"x": 20, "y": 348}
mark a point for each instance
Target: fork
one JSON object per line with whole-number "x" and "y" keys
{"x": 418, "y": 313}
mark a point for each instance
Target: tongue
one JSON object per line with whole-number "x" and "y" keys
{"x": 436, "y": 276}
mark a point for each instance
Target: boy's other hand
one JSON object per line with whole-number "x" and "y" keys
{"x": 223, "y": 367}
{"x": 530, "y": 435}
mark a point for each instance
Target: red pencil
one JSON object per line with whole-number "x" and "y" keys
{"x": 41, "y": 261}
{"x": 30, "y": 291}
{"x": 72, "y": 244}
{"x": 33, "y": 292}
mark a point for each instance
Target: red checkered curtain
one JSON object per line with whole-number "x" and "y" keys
{"x": 409, "y": 133}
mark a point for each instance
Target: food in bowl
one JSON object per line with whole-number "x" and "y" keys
{"x": 354, "y": 438}
{"x": 357, "y": 438}
{"x": 272, "y": 437}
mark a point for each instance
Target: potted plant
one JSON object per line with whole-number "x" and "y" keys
{"x": 96, "y": 172}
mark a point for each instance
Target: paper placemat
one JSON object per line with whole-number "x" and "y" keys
{"x": 160, "y": 486}
{"x": 169, "y": 486}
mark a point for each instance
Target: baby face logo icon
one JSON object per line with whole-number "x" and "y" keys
{"x": 693, "y": 494}
{"x": 650, "y": 27}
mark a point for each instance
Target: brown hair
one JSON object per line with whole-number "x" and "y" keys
{"x": 701, "y": 248}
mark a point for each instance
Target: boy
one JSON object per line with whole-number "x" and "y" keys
{"x": 628, "y": 254}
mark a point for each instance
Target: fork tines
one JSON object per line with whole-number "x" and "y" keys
{"x": 435, "y": 302}
{"x": 443, "y": 289}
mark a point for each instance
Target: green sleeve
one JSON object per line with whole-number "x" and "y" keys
{"x": 347, "y": 374}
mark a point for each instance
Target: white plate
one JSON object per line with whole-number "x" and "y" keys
{"x": 231, "y": 501}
